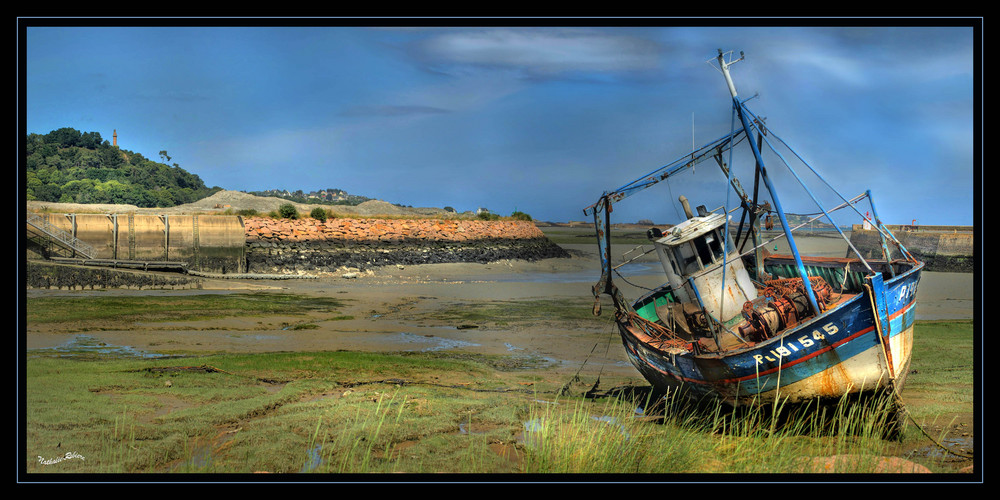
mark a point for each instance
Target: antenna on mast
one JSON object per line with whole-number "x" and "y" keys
{"x": 724, "y": 67}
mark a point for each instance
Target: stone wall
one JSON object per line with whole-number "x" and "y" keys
{"x": 43, "y": 275}
{"x": 283, "y": 245}
{"x": 222, "y": 244}
{"x": 941, "y": 248}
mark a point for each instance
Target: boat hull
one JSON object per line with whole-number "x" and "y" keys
{"x": 861, "y": 344}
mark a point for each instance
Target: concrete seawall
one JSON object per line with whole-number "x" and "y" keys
{"x": 942, "y": 248}
{"x": 210, "y": 243}
{"x": 226, "y": 244}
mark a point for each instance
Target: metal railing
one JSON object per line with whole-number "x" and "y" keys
{"x": 60, "y": 235}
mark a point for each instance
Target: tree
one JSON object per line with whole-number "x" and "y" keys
{"x": 64, "y": 155}
{"x": 110, "y": 157}
{"x": 90, "y": 140}
{"x": 64, "y": 137}
{"x": 48, "y": 192}
{"x": 78, "y": 191}
{"x": 288, "y": 211}
{"x": 318, "y": 214}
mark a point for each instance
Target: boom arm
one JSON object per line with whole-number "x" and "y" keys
{"x": 602, "y": 209}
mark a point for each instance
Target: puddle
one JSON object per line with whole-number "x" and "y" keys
{"x": 534, "y": 429}
{"x": 463, "y": 428}
{"x": 314, "y": 459}
{"x": 254, "y": 336}
{"x": 198, "y": 462}
{"x": 612, "y": 421}
{"x": 87, "y": 346}
{"x": 960, "y": 444}
{"x": 436, "y": 343}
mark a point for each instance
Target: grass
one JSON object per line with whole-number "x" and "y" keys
{"x": 942, "y": 371}
{"x": 423, "y": 413}
{"x": 345, "y": 413}
{"x": 126, "y": 310}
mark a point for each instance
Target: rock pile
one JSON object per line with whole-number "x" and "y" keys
{"x": 283, "y": 245}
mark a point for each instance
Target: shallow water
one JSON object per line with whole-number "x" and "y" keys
{"x": 435, "y": 343}
{"x": 87, "y": 346}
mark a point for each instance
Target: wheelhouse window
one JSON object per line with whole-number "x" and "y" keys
{"x": 687, "y": 258}
{"x": 704, "y": 252}
{"x": 715, "y": 242}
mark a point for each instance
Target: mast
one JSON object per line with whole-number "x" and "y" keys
{"x": 724, "y": 66}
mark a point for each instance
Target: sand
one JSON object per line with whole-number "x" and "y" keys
{"x": 385, "y": 304}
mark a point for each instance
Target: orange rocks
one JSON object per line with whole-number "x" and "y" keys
{"x": 393, "y": 230}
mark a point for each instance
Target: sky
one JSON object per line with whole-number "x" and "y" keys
{"x": 532, "y": 116}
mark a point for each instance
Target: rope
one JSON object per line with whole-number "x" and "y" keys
{"x": 899, "y": 401}
{"x": 663, "y": 335}
{"x": 576, "y": 376}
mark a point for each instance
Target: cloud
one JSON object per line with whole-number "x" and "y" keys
{"x": 539, "y": 52}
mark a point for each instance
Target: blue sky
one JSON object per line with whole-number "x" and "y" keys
{"x": 531, "y": 118}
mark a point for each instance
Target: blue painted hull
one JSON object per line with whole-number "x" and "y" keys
{"x": 844, "y": 350}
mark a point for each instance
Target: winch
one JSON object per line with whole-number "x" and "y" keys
{"x": 782, "y": 304}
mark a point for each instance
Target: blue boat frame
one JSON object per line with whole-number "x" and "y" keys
{"x": 822, "y": 343}
{"x": 859, "y": 343}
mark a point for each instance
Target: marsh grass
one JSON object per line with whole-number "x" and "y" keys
{"x": 81, "y": 311}
{"x": 231, "y": 422}
{"x": 942, "y": 374}
{"x": 364, "y": 413}
{"x": 588, "y": 438}
{"x": 365, "y": 441}
{"x": 581, "y": 437}
{"x": 781, "y": 437}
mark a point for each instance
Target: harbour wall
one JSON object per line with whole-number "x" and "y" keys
{"x": 43, "y": 275}
{"x": 227, "y": 244}
{"x": 210, "y": 243}
{"x": 941, "y": 248}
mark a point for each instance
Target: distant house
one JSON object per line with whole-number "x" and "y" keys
{"x": 482, "y": 210}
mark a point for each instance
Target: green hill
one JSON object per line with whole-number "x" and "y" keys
{"x": 68, "y": 166}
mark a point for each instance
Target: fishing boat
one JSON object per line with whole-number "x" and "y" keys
{"x": 749, "y": 326}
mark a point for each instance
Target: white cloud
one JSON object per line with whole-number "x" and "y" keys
{"x": 543, "y": 51}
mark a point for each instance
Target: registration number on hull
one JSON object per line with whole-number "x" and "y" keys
{"x": 803, "y": 342}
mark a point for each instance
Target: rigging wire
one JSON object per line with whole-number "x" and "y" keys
{"x": 794, "y": 174}
{"x": 629, "y": 282}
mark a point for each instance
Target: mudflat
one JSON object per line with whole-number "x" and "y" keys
{"x": 415, "y": 308}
